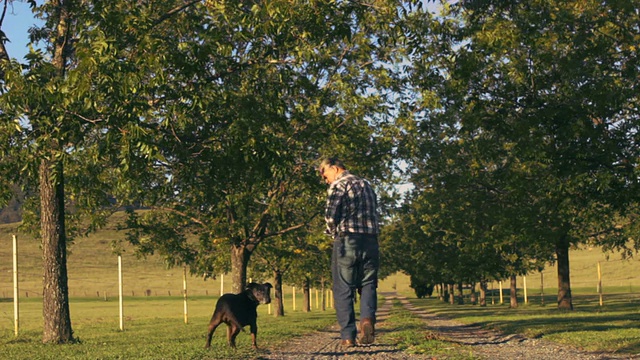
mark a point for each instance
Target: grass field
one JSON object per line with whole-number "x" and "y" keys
{"x": 155, "y": 324}
{"x": 411, "y": 337}
{"x": 93, "y": 271}
{"x": 609, "y": 328}
{"x": 154, "y": 329}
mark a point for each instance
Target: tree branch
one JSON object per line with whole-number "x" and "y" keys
{"x": 283, "y": 231}
{"x": 84, "y": 118}
{"x": 194, "y": 219}
{"x": 4, "y": 56}
{"x": 173, "y": 11}
{"x": 615, "y": 228}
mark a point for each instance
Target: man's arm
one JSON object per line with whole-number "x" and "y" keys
{"x": 332, "y": 211}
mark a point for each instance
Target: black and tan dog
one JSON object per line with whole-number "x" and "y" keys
{"x": 238, "y": 311}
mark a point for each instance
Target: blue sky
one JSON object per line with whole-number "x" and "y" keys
{"x": 16, "y": 25}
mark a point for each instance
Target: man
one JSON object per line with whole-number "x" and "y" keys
{"x": 352, "y": 221}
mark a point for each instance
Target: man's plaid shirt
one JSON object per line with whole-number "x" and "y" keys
{"x": 351, "y": 206}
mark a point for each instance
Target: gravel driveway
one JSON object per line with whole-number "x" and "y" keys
{"x": 484, "y": 343}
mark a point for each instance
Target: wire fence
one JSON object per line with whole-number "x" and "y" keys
{"x": 97, "y": 276}
{"x": 104, "y": 277}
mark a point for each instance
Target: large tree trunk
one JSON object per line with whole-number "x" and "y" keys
{"x": 483, "y": 292}
{"x": 452, "y": 295}
{"x": 306, "y": 307}
{"x": 240, "y": 256}
{"x": 513, "y": 293}
{"x": 279, "y": 304}
{"x": 473, "y": 297}
{"x": 55, "y": 294}
{"x": 564, "y": 284}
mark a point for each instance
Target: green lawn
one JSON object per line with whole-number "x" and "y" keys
{"x": 410, "y": 335}
{"x": 154, "y": 329}
{"x": 157, "y": 320}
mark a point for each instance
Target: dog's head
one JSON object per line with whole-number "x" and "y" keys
{"x": 260, "y": 293}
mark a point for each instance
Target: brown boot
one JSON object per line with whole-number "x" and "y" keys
{"x": 367, "y": 332}
{"x": 345, "y": 344}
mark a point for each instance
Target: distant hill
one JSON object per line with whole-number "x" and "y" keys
{"x": 12, "y": 213}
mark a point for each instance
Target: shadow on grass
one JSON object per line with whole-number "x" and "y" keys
{"x": 610, "y": 328}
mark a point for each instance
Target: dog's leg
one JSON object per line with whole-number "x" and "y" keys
{"x": 232, "y": 331}
{"x": 215, "y": 321}
{"x": 229, "y": 334}
{"x": 254, "y": 335}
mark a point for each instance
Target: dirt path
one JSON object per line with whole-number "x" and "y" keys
{"x": 325, "y": 344}
{"x": 484, "y": 343}
{"x": 493, "y": 344}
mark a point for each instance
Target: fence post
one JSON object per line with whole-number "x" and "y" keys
{"x": 524, "y": 285}
{"x": 541, "y": 288}
{"x": 184, "y": 286}
{"x": 325, "y": 299}
{"x": 221, "y": 284}
{"x": 328, "y": 301}
{"x": 501, "y": 297}
{"x": 293, "y": 292}
{"x": 493, "y": 295}
{"x": 121, "y": 302}
{"x": 333, "y": 306}
{"x": 600, "y": 283}
{"x": 16, "y": 296}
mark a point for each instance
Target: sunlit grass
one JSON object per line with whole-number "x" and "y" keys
{"x": 157, "y": 321}
{"x": 609, "y": 328}
{"x": 410, "y": 335}
{"x": 154, "y": 328}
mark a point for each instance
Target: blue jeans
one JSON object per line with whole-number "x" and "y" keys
{"x": 354, "y": 265}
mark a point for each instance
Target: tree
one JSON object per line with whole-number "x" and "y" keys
{"x": 69, "y": 120}
{"x": 272, "y": 87}
{"x": 539, "y": 94}
{"x": 37, "y": 94}
{"x": 299, "y": 258}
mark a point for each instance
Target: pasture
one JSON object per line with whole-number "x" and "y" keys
{"x": 154, "y": 329}
{"x": 154, "y": 319}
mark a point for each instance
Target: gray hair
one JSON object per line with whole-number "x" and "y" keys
{"x": 332, "y": 161}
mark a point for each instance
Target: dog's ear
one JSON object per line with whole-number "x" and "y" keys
{"x": 250, "y": 286}
{"x": 268, "y": 285}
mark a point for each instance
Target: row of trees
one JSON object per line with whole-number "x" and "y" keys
{"x": 518, "y": 123}
{"x": 527, "y": 143}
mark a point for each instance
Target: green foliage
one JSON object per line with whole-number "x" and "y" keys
{"x": 523, "y": 139}
{"x": 265, "y": 90}
{"x": 210, "y": 115}
{"x": 303, "y": 257}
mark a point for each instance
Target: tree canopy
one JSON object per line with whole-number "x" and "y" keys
{"x": 526, "y": 128}
{"x": 517, "y": 122}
